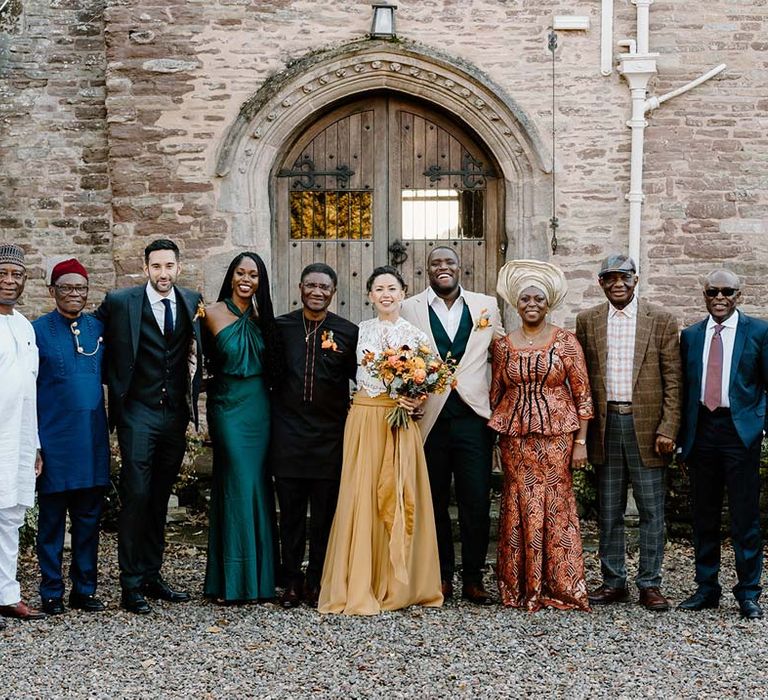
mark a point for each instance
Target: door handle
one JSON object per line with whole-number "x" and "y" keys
{"x": 397, "y": 253}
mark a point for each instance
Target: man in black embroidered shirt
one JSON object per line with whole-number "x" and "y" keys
{"x": 308, "y": 413}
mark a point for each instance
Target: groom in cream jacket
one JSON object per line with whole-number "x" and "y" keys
{"x": 458, "y": 442}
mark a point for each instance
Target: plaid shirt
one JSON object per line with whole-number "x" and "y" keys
{"x": 621, "y": 351}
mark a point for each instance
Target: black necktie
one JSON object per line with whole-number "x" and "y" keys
{"x": 168, "y": 319}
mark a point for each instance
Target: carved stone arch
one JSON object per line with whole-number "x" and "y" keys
{"x": 270, "y": 120}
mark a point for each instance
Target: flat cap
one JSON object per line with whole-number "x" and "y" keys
{"x": 617, "y": 263}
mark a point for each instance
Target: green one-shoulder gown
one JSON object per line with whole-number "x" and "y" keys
{"x": 240, "y": 547}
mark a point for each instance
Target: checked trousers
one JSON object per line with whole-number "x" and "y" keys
{"x": 623, "y": 465}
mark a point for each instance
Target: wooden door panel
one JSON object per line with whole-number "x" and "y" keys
{"x": 376, "y": 172}
{"x": 452, "y": 207}
{"x": 327, "y": 209}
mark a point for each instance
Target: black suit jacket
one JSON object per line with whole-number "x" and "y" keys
{"x": 121, "y": 314}
{"x": 748, "y": 380}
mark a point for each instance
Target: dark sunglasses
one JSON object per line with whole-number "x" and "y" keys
{"x": 712, "y": 292}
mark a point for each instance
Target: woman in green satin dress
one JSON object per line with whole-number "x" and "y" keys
{"x": 239, "y": 347}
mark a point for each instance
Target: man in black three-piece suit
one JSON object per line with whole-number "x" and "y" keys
{"x": 725, "y": 371}
{"x": 152, "y": 340}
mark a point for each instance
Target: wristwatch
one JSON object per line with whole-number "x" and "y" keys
{"x": 580, "y": 442}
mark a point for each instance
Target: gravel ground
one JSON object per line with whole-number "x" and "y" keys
{"x": 200, "y": 650}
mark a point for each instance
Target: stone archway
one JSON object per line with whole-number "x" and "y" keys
{"x": 272, "y": 117}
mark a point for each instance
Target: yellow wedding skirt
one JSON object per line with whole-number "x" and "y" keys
{"x": 382, "y": 551}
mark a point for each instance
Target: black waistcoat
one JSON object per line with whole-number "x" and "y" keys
{"x": 454, "y": 406}
{"x": 160, "y": 369}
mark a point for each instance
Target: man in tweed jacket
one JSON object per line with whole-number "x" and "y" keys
{"x": 633, "y": 357}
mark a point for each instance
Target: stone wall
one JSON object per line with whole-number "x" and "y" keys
{"x": 55, "y": 197}
{"x": 178, "y": 72}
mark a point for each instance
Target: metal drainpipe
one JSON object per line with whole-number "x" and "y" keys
{"x": 606, "y": 37}
{"x": 637, "y": 70}
{"x": 638, "y": 66}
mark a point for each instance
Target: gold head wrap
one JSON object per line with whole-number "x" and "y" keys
{"x": 517, "y": 275}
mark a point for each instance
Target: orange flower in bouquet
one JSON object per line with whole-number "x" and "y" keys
{"x": 412, "y": 372}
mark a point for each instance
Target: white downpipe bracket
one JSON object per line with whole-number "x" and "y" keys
{"x": 638, "y": 66}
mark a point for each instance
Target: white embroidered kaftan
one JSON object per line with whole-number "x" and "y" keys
{"x": 18, "y": 411}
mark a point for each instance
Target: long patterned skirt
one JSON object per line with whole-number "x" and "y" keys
{"x": 540, "y": 561}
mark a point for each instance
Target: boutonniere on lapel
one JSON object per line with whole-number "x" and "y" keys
{"x": 327, "y": 342}
{"x": 484, "y": 321}
{"x": 200, "y": 312}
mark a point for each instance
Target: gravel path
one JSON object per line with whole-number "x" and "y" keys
{"x": 200, "y": 650}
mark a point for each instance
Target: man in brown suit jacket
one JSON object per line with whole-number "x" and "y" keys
{"x": 633, "y": 357}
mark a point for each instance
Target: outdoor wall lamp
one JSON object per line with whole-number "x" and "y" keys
{"x": 383, "y": 22}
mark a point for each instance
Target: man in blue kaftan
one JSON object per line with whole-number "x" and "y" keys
{"x": 73, "y": 438}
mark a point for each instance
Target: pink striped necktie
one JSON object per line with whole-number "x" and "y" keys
{"x": 714, "y": 383}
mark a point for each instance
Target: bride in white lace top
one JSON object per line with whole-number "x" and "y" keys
{"x": 375, "y": 336}
{"x": 382, "y": 548}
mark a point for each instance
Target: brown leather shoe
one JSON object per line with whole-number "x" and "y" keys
{"x": 475, "y": 593}
{"x": 652, "y": 599}
{"x": 447, "y": 588}
{"x": 291, "y": 597}
{"x": 22, "y": 611}
{"x": 605, "y": 594}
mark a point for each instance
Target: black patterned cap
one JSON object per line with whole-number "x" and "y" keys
{"x": 617, "y": 263}
{"x": 11, "y": 253}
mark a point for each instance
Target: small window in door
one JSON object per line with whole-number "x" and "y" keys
{"x": 442, "y": 214}
{"x": 331, "y": 215}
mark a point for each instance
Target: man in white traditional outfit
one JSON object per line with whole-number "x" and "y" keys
{"x": 20, "y": 460}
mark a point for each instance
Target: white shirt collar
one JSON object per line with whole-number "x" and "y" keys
{"x": 432, "y": 297}
{"x": 630, "y": 310}
{"x": 154, "y": 296}
{"x": 731, "y": 322}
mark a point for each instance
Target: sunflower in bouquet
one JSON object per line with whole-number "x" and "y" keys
{"x": 411, "y": 372}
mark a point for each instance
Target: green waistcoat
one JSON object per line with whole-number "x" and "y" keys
{"x": 454, "y": 406}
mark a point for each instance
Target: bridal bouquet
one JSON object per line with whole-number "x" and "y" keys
{"x": 411, "y": 372}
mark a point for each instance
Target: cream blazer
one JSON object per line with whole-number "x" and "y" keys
{"x": 473, "y": 374}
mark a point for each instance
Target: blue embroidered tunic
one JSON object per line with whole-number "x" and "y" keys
{"x": 72, "y": 420}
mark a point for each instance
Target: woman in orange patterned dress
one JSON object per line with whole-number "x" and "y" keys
{"x": 541, "y": 404}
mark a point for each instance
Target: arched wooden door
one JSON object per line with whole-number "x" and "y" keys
{"x": 383, "y": 180}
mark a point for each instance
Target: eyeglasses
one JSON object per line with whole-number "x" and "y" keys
{"x": 609, "y": 278}
{"x": 68, "y": 289}
{"x": 712, "y": 292}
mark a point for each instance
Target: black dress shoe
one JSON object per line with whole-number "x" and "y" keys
{"x": 89, "y": 603}
{"x": 134, "y": 602}
{"x": 311, "y": 594}
{"x": 750, "y": 610}
{"x": 700, "y": 600}
{"x": 160, "y": 590}
{"x": 53, "y": 606}
{"x": 291, "y": 597}
{"x": 446, "y": 587}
